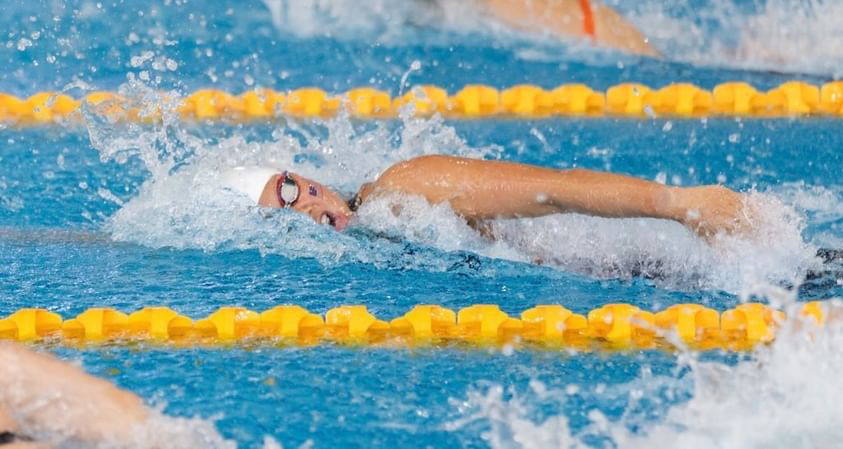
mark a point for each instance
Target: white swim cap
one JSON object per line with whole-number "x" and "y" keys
{"x": 249, "y": 181}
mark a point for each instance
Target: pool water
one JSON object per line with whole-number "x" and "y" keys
{"x": 105, "y": 214}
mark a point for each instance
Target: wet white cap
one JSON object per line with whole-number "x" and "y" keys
{"x": 249, "y": 181}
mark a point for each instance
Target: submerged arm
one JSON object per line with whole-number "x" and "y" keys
{"x": 589, "y": 18}
{"x": 480, "y": 189}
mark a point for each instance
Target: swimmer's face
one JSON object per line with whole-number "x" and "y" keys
{"x": 315, "y": 200}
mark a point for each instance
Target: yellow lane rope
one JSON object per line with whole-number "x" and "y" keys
{"x": 680, "y": 100}
{"x": 612, "y": 326}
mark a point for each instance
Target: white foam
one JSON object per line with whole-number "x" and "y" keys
{"x": 788, "y": 396}
{"x": 785, "y": 396}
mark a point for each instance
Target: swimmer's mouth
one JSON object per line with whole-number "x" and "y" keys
{"x": 337, "y": 222}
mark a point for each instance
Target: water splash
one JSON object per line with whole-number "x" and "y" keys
{"x": 383, "y": 20}
{"x": 783, "y": 36}
{"x": 668, "y": 252}
{"x": 182, "y": 203}
{"x": 794, "y": 36}
{"x": 785, "y": 395}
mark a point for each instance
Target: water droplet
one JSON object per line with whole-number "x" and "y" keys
{"x": 23, "y": 44}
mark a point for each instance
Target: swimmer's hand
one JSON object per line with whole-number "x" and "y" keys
{"x": 712, "y": 210}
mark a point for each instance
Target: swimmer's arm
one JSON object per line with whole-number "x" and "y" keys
{"x": 46, "y": 395}
{"x": 7, "y": 424}
{"x": 480, "y": 189}
{"x": 566, "y": 18}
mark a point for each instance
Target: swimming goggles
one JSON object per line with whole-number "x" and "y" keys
{"x": 287, "y": 190}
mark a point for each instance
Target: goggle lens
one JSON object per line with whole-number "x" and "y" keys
{"x": 288, "y": 191}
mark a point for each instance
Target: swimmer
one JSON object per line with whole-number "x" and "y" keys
{"x": 480, "y": 190}
{"x": 588, "y": 19}
{"x": 44, "y": 400}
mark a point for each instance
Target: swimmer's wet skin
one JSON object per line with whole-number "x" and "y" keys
{"x": 481, "y": 190}
{"x": 84, "y": 408}
{"x": 584, "y": 18}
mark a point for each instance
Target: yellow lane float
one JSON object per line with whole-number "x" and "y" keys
{"x": 474, "y": 102}
{"x": 609, "y": 327}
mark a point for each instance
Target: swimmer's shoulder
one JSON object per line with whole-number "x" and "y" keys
{"x": 399, "y": 174}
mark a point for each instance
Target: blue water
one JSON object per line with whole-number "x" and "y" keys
{"x": 79, "y": 226}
